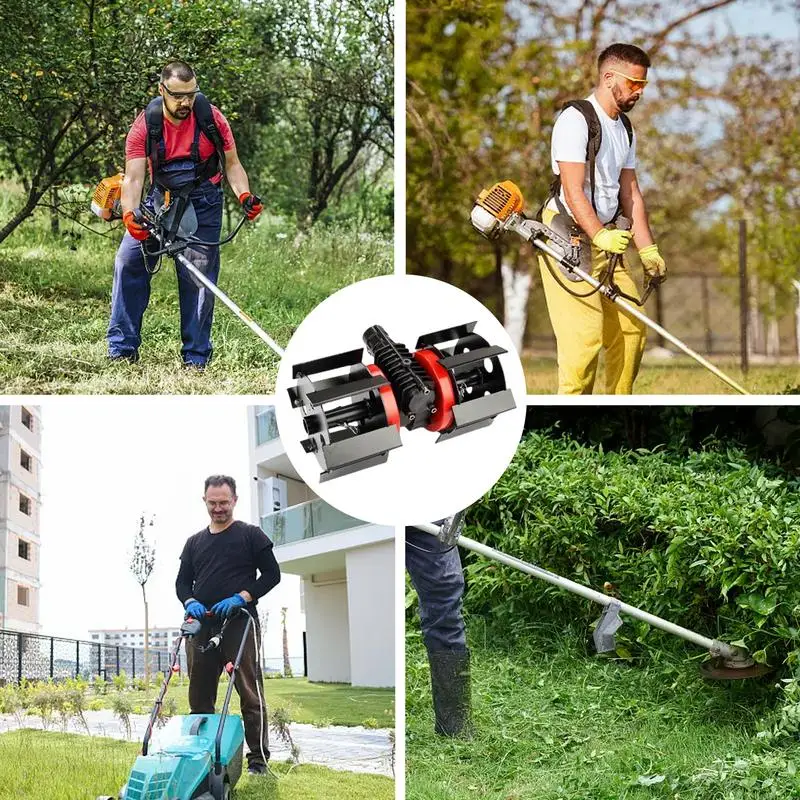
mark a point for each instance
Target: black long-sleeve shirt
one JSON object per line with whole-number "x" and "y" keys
{"x": 218, "y": 565}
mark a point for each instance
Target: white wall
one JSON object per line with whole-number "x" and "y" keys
{"x": 327, "y": 631}
{"x": 370, "y": 595}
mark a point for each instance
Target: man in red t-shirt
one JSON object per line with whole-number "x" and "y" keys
{"x": 181, "y": 137}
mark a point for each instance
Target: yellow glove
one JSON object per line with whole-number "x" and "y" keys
{"x": 653, "y": 264}
{"x": 613, "y": 241}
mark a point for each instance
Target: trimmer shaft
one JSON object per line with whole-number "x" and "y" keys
{"x": 354, "y": 419}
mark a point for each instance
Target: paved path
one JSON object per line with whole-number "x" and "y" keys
{"x": 355, "y": 749}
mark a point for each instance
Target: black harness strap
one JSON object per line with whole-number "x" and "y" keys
{"x": 592, "y": 149}
{"x": 204, "y": 118}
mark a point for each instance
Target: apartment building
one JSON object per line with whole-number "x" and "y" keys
{"x": 346, "y": 566}
{"x": 160, "y": 638}
{"x": 20, "y": 506}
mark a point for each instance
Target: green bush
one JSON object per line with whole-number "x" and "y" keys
{"x": 710, "y": 540}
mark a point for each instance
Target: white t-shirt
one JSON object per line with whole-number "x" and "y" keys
{"x": 570, "y": 137}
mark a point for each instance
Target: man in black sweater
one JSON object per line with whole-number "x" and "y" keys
{"x": 218, "y": 574}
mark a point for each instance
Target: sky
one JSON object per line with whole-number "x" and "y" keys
{"x": 105, "y": 461}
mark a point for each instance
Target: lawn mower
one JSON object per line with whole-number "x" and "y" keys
{"x": 499, "y": 210}
{"x": 196, "y": 756}
{"x": 727, "y": 662}
{"x": 171, "y": 227}
{"x": 450, "y": 390}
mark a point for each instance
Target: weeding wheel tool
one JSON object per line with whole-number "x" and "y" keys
{"x": 499, "y": 209}
{"x": 728, "y": 662}
{"x": 449, "y": 390}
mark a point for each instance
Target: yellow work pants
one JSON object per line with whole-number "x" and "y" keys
{"x": 584, "y": 326}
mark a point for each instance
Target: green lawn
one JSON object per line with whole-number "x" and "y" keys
{"x": 680, "y": 375}
{"x": 556, "y": 722}
{"x": 37, "y": 765}
{"x": 55, "y": 295}
{"x": 315, "y": 703}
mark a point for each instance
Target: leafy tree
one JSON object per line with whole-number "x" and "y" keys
{"x": 73, "y": 77}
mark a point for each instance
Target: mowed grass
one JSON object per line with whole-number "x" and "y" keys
{"x": 38, "y": 765}
{"x": 554, "y": 721}
{"x": 55, "y": 295}
{"x": 314, "y": 703}
{"x": 679, "y": 375}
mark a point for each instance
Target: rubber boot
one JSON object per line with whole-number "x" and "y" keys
{"x": 450, "y": 686}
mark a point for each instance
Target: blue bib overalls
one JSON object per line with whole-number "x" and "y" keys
{"x": 131, "y": 290}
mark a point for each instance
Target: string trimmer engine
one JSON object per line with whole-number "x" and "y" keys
{"x": 354, "y": 418}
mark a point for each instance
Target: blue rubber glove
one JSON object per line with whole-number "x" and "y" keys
{"x": 194, "y": 608}
{"x": 226, "y": 606}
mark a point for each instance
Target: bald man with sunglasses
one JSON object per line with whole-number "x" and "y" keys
{"x": 589, "y": 203}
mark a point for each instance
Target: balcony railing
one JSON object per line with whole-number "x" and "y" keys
{"x": 306, "y": 520}
{"x": 266, "y": 424}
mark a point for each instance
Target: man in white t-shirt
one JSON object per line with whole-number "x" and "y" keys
{"x": 586, "y": 324}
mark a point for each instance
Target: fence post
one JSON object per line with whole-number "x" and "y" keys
{"x": 706, "y": 313}
{"x": 52, "y": 657}
{"x": 743, "y": 300}
{"x": 19, "y": 658}
{"x": 99, "y": 658}
{"x": 77, "y": 658}
{"x": 133, "y": 662}
{"x": 117, "y": 649}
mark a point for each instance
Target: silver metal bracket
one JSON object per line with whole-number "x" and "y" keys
{"x": 609, "y": 623}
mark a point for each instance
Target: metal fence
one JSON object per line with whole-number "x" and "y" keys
{"x": 704, "y": 310}
{"x": 35, "y": 657}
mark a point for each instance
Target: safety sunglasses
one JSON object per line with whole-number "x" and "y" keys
{"x": 181, "y": 95}
{"x": 633, "y": 83}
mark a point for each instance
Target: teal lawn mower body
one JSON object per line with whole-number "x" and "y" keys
{"x": 196, "y": 756}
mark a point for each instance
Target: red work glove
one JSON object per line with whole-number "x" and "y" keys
{"x": 135, "y": 229}
{"x": 251, "y": 204}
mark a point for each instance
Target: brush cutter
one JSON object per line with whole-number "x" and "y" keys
{"x": 499, "y": 209}
{"x": 173, "y": 234}
{"x": 728, "y": 662}
{"x": 449, "y": 390}
{"x": 193, "y": 757}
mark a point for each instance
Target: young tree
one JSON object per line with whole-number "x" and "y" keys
{"x": 141, "y": 565}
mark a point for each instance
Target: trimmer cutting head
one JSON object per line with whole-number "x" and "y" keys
{"x": 734, "y": 669}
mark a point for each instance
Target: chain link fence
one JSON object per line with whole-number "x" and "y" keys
{"x": 32, "y": 656}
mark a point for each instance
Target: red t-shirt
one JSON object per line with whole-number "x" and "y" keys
{"x": 178, "y": 139}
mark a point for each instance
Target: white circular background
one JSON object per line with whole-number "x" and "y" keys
{"x": 422, "y": 480}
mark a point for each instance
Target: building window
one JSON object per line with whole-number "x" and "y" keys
{"x": 95, "y": 636}
{"x": 27, "y": 419}
{"x": 25, "y": 461}
{"x": 23, "y": 596}
{"x": 25, "y": 504}
{"x": 266, "y": 424}
{"x": 24, "y": 549}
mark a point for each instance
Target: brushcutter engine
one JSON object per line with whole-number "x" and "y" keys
{"x": 106, "y": 198}
{"x": 449, "y": 390}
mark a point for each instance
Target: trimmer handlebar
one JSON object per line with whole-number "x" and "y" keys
{"x": 149, "y": 220}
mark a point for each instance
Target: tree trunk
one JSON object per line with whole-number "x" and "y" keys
{"x": 516, "y": 290}
{"x": 287, "y": 665}
{"x": 54, "y": 211}
{"x": 146, "y": 640}
{"x": 21, "y": 215}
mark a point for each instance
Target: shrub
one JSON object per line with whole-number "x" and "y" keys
{"x": 710, "y": 540}
{"x": 120, "y": 681}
